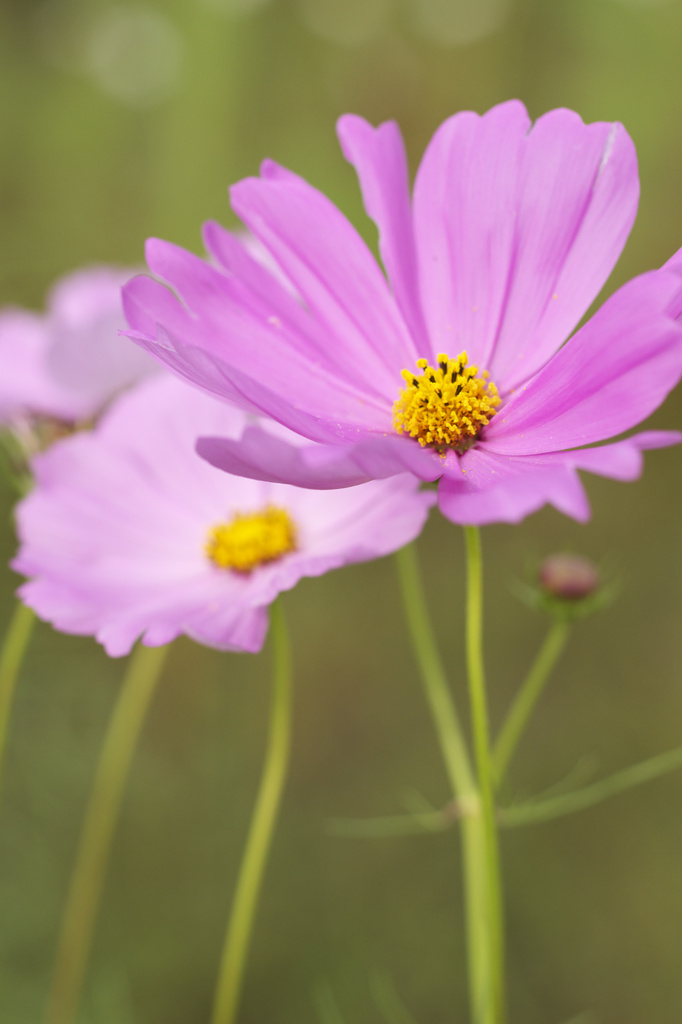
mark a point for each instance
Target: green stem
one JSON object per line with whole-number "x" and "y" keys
{"x": 395, "y": 825}
{"x": 456, "y": 758}
{"x": 546, "y": 810}
{"x": 13, "y": 650}
{"x": 99, "y": 824}
{"x": 494, "y": 1011}
{"x": 388, "y": 1001}
{"x": 240, "y": 925}
{"x": 528, "y": 696}
{"x": 438, "y": 695}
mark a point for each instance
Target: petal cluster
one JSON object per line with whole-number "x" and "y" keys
{"x": 69, "y": 362}
{"x": 114, "y": 535}
{"x": 510, "y": 233}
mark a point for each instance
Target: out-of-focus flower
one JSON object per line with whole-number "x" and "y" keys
{"x": 68, "y": 363}
{"x": 453, "y": 369}
{"x": 569, "y": 577}
{"x": 128, "y": 532}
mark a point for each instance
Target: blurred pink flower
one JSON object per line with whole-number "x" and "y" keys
{"x": 510, "y": 236}
{"x": 128, "y": 532}
{"x": 69, "y": 362}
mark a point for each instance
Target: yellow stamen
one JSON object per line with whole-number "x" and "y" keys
{"x": 251, "y": 539}
{"x": 446, "y": 406}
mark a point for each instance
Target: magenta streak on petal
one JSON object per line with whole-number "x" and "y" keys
{"x": 612, "y": 374}
{"x": 378, "y": 155}
{"x": 331, "y": 267}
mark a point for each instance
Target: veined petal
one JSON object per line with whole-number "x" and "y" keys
{"x": 517, "y": 231}
{"x": 510, "y": 498}
{"x": 495, "y": 488}
{"x": 331, "y": 268}
{"x": 259, "y": 455}
{"x": 378, "y": 155}
{"x": 249, "y": 363}
{"x": 578, "y": 199}
{"x": 464, "y": 196}
{"x": 607, "y": 378}
{"x": 249, "y": 298}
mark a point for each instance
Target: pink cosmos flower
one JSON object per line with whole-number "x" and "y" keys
{"x": 453, "y": 365}
{"x": 70, "y": 362}
{"x": 128, "y": 532}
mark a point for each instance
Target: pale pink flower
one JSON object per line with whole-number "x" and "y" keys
{"x": 128, "y": 533}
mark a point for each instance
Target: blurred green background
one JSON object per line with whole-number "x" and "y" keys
{"x": 123, "y": 120}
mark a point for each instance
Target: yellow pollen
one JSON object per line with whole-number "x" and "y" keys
{"x": 445, "y": 406}
{"x": 251, "y": 539}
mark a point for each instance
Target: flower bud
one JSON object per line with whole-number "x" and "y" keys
{"x": 569, "y": 577}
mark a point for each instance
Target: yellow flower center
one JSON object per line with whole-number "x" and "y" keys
{"x": 251, "y": 539}
{"x": 445, "y": 406}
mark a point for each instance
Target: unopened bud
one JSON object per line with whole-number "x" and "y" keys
{"x": 569, "y": 577}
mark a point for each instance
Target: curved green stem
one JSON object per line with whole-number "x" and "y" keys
{"x": 438, "y": 695}
{"x": 13, "y": 651}
{"x": 240, "y": 925}
{"x": 495, "y": 1012}
{"x": 528, "y": 696}
{"x": 567, "y": 803}
{"x": 458, "y": 766}
{"x": 99, "y": 824}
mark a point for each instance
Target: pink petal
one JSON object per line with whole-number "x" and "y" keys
{"x": 495, "y": 488}
{"x": 238, "y": 308}
{"x": 249, "y": 319}
{"x": 331, "y": 268}
{"x": 517, "y": 231}
{"x": 25, "y": 384}
{"x": 675, "y": 264}
{"x": 464, "y": 198}
{"x": 514, "y": 497}
{"x": 86, "y": 356}
{"x": 115, "y": 529}
{"x": 249, "y": 363}
{"x": 613, "y": 373}
{"x": 260, "y": 456}
{"x": 378, "y": 155}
